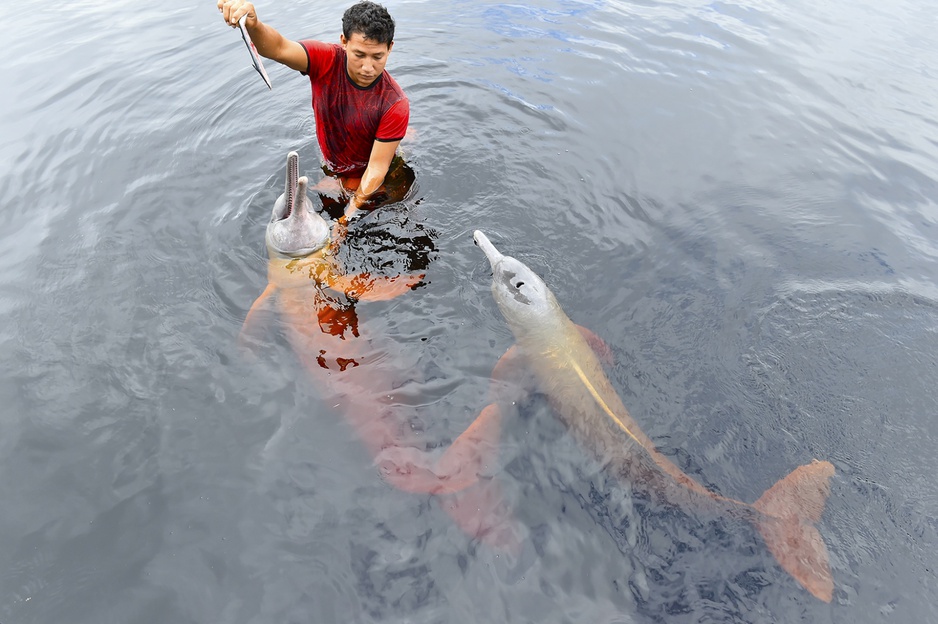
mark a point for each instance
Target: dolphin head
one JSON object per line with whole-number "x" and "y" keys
{"x": 521, "y": 295}
{"x": 294, "y": 229}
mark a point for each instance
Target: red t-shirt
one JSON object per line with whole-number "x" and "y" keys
{"x": 349, "y": 118}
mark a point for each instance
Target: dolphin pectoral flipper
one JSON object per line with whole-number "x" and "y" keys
{"x": 364, "y": 287}
{"x": 250, "y": 320}
{"x": 599, "y": 347}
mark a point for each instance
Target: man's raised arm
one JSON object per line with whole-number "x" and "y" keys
{"x": 269, "y": 43}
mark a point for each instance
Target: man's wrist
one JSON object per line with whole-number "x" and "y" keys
{"x": 358, "y": 197}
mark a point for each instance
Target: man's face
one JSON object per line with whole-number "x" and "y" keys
{"x": 366, "y": 58}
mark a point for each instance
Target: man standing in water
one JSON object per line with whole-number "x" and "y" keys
{"x": 361, "y": 112}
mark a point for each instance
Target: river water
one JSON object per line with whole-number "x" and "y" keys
{"x": 737, "y": 197}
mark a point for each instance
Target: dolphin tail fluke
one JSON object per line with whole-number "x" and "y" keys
{"x": 470, "y": 455}
{"x": 364, "y": 287}
{"x": 476, "y": 449}
{"x": 482, "y": 512}
{"x": 790, "y": 510}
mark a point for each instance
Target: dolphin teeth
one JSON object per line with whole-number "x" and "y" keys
{"x": 293, "y": 172}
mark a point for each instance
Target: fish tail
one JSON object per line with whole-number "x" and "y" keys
{"x": 790, "y": 509}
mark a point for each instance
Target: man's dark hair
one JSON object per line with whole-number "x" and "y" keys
{"x": 369, "y": 19}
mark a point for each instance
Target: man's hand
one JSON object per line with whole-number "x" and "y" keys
{"x": 269, "y": 43}
{"x": 354, "y": 203}
{"x": 232, "y": 10}
{"x": 382, "y": 153}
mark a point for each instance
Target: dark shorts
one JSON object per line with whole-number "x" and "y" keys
{"x": 397, "y": 183}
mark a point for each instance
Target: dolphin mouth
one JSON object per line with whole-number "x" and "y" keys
{"x": 293, "y": 178}
{"x": 494, "y": 256}
{"x": 294, "y": 230}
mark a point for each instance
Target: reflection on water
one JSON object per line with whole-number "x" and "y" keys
{"x": 738, "y": 198}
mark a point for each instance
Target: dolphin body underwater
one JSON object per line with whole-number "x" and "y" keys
{"x": 568, "y": 371}
{"x": 316, "y": 303}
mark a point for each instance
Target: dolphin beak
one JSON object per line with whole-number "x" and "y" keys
{"x": 487, "y": 247}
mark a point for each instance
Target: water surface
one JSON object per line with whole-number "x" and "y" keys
{"x": 737, "y": 197}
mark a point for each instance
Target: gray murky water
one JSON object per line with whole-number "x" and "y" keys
{"x": 739, "y": 198}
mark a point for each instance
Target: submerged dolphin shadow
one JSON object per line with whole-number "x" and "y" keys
{"x": 316, "y": 301}
{"x": 562, "y": 360}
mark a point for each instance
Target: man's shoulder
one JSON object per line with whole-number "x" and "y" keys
{"x": 315, "y": 44}
{"x": 393, "y": 88}
{"x": 321, "y": 55}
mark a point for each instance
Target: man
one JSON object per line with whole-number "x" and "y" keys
{"x": 361, "y": 112}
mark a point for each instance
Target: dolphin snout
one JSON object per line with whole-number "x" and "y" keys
{"x": 487, "y": 248}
